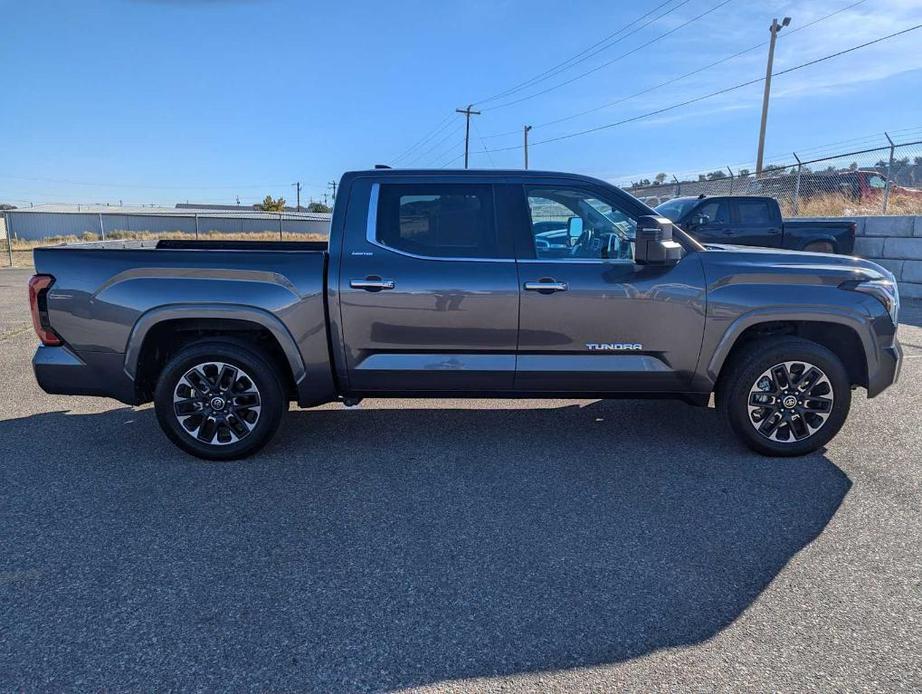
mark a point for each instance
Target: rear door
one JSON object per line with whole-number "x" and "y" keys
{"x": 756, "y": 222}
{"x": 591, "y": 320}
{"x": 429, "y": 296}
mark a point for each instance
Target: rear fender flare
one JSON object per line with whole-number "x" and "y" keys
{"x": 186, "y": 311}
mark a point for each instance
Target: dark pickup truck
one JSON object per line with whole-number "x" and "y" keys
{"x": 465, "y": 284}
{"x": 750, "y": 220}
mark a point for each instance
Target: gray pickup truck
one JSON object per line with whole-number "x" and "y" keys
{"x": 465, "y": 284}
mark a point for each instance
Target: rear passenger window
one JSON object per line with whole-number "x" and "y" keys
{"x": 754, "y": 212}
{"x": 438, "y": 220}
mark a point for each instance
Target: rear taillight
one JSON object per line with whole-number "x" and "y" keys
{"x": 38, "y": 302}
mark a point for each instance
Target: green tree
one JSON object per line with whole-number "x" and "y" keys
{"x": 270, "y": 205}
{"x": 659, "y": 178}
{"x": 715, "y": 175}
{"x": 318, "y": 207}
{"x": 744, "y": 172}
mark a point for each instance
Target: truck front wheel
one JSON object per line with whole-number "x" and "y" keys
{"x": 219, "y": 401}
{"x": 785, "y": 396}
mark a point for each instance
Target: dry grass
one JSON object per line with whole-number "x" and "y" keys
{"x": 834, "y": 205}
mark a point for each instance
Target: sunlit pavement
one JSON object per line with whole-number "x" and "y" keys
{"x": 466, "y": 545}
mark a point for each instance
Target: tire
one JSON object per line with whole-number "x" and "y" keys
{"x": 758, "y": 405}
{"x": 219, "y": 400}
{"x": 820, "y": 247}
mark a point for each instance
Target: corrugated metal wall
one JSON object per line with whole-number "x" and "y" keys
{"x": 39, "y": 225}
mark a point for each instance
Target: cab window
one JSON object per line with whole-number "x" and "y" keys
{"x": 569, "y": 223}
{"x": 754, "y": 212}
{"x": 438, "y": 220}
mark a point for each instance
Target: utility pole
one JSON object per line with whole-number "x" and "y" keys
{"x": 467, "y": 128}
{"x": 526, "y": 129}
{"x": 775, "y": 28}
{"x": 297, "y": 186}
{"x": 332, "y": 185}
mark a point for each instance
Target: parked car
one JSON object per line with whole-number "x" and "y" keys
{"x": 750, "y": 220}
{"x": 446, "y": 284}
{"x": 858, "y": 185}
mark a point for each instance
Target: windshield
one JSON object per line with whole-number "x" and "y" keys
{"x": 675, "y": 209}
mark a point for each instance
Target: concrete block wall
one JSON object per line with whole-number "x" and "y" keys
{"x": 895, "y": 242}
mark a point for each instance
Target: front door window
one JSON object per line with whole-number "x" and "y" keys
{"x": 573, "y": 224}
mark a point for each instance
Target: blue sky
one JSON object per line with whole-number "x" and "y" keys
{"x": 163, "y": 101}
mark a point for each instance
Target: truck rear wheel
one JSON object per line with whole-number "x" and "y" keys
{"x": 785, "y": 396}
{"x": 219, "y": 401}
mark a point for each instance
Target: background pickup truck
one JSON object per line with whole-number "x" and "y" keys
{"x": 756, "y": 221}
{"x": 452, "y": 284}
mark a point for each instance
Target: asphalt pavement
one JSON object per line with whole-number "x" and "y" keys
{"x": 456, "y": 545}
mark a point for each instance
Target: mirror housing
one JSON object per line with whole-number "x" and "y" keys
{"x": 574, "y": 229}
{"x": 653, "y": 244}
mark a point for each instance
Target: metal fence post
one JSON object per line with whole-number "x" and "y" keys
{"x": 889, "y": 173}
{"x": 797, "y": 184}
{"x": 9, "y": 236}
{"x": 280, "y": 226}
{"x": 102, "y": 228}
{"x": 731, "y": 179}
{"x": 196, "y": 227}
{"x": 678, "y": 186}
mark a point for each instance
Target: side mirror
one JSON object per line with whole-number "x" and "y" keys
{"x": 653, "y": 244}
{"x": 574, "y": 229}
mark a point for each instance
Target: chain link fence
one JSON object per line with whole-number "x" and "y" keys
{"x": 871, "y": 180}
{"x": 21, "y": 231}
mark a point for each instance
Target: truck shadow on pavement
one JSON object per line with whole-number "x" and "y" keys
{"x": 373, "y": 549}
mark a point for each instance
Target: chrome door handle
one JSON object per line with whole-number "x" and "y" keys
{"x": 372, "y": 284}
{"x": 548, "y": 286}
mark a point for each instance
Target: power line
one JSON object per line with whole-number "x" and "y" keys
{"x": 582, "y": 55}
{"x": 420, "y": 155}
{"x": 486, "y": 151}
{"x": 560, "y": 67}
{"x": 449, "y": 151}
{"x": 425, "y": 138}
{"x": 676, "y": 79}
{"x": 867, "y": 139}
{"x": 715, "y": 93}
{"x": 451, "y": 161}
{"x": 613, "y": 60}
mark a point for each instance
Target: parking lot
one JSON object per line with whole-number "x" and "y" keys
{"x": 464, "y": 545}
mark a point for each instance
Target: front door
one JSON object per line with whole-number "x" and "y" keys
{"x": 429, "y": 297}
{"x": 711, "y": 222}
{"x": 591, "y": 320}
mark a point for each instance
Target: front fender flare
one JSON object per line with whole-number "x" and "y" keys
{"x": 827, "y": 314}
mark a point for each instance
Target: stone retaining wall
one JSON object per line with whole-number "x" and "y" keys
{"x": 894, "y": 242}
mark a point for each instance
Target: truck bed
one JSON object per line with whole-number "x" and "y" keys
{"x": 107, "y": 295}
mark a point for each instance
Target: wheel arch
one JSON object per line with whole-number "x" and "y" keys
{"x": 842, "y": 334}
{"x": 165, "y": 330}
